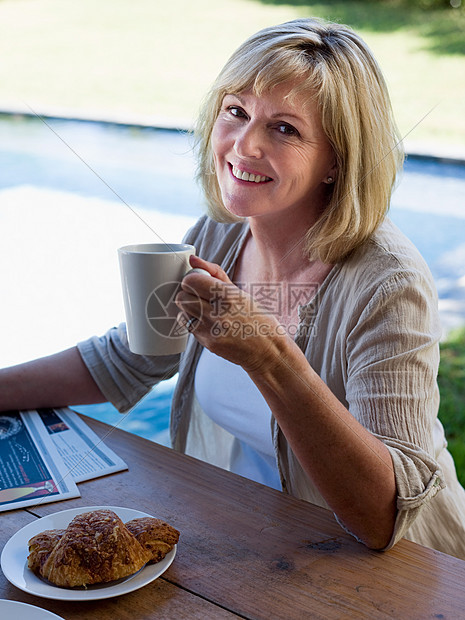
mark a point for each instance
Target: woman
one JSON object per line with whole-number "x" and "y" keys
{"x": 314, "y": 350}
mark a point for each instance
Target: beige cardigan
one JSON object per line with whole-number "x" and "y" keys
{"x": 371, "y": 333}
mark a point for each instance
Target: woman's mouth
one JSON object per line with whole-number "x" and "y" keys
{"x": 249, "y": 176}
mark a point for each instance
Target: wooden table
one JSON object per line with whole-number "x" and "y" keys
{"x": 247, "y": 551}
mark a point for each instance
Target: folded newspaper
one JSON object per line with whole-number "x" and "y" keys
{"x": 44, "y": 453}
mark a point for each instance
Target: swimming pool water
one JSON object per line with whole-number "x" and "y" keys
{"x": 149, "y": 419}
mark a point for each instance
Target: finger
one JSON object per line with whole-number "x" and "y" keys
{"x": 196, "y": 285}
{"x": 192, "y": 305}
{"x": 198, "y": 270}
{"x": 188, "y": 323}
{"x": 213, "y": 269}
{"x": 189, "y": 304}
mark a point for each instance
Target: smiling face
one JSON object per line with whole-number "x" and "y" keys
{"x": 271, "y": 155}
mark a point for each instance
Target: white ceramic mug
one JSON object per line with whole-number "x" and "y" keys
{"x": 151, "y": 275}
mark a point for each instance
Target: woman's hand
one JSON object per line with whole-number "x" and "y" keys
{"x": 226, "y": 319}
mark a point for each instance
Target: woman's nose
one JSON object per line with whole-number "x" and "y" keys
{"x": 249, "y": 142}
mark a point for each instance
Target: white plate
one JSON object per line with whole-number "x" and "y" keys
{"x": 23, "y": 611}
{"x": 15, "y": 569}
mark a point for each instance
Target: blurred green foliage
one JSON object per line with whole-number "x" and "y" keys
{"x": 430, "y": 4}
{"x": 440, "y": 24}
{"x": 451, "y": 381}
{"x": 423, "y": 4}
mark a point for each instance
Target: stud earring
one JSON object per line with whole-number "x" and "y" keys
{"x": 329, "y": 180}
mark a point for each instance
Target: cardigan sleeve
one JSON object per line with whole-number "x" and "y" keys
{"x": 392, "y": 361}
{"x": 124, "y": 377}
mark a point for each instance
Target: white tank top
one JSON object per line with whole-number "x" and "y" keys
{"x": 231, "y": 399}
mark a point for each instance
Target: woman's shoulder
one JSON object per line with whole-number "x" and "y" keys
{"x": 387, "y": 263}
{"x": 214, "y": 241}
{"x": 388, "y": 251}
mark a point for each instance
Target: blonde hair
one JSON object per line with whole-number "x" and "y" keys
{"x": 331, "y": 62}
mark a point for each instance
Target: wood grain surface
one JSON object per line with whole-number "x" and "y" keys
{"x": 250, "y": 551}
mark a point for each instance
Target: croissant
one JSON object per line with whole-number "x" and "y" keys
{"x": 97, "y": 547}
{"x": 40, "y": 547}
{"x": 154, "y": 535}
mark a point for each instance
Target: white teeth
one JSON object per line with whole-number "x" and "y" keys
{"x": 249, "y": 176}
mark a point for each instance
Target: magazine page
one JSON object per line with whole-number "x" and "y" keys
{"x": 84, "y": 454}
{"x": 31, "y": 470}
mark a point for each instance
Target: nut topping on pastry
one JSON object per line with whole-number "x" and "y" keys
{"x": 154, "y": 535}
{"x": 41, "y": 546}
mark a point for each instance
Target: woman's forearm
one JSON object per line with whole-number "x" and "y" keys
{"x": 53, "y": 381}
{"x": 351, "y": 468}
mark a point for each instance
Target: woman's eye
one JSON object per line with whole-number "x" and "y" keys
{"x": 236, "y": 111}
{"x": 287, "y": 130}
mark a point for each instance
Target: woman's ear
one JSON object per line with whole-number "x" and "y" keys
{"x": 331, "y": 175}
